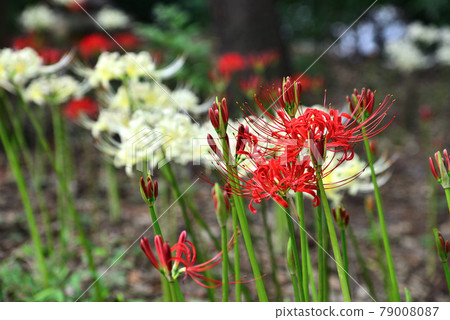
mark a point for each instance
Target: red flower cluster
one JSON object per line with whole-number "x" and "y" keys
{"x": 291, "y": 142}
{"x": 75, "y": 107}
{"x": 94, "y": 44}
{"x": 183, "y": 261}
{"x": 231, "y": 63}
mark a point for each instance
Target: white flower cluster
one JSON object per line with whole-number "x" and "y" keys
{"x": 17, "y": 67}
{"x": 143, "y": 119}
{"x": 38, "y": 18}
{"x": 131, "y": 66}
{"x": 52, "y": 89}
{"x": 421, "y": 47}
{"x": 352, "y": 177}
{"x": 111, "y": 18}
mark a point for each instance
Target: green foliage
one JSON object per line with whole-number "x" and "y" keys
{"x": 174, "y": 36}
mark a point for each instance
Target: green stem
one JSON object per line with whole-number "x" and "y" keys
{"x": 59, "y": 157}
{"x": 345, "y": 254}
{"x": 113, "y": 192}
{"x": 178, "y": 292}
{"x": 362, "y": 263}
{"x": 384, "y": 234}
{"x": 225, "y": 281}
{"x": 295, "y": 286}
{"x": 21, "y": 184}
{"x": 321, "y": 255}
{"x": 298, "y": 266}
{"x": 447, "y": 274}
{"x": 240, "y": 209}
{"x": 173, "y": 295}
{"x": 154, "y": 216}
{"x": 447, "y": 196}
{"x": 237, "y": 260}
{"x": 273, "y": 263}
{"x": 19, "y": 134}
{"x": 303, "y": 243}
{"x": 170, "y": 176}
{"x": 334, "y": 242}
{"x": 314, "y": 294}
{"x": 64, "y": 185}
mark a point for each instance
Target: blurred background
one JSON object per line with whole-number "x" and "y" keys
{"x": 236, "y": 48}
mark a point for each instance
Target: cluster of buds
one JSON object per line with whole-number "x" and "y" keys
{"x": 290, "y": 95}
{"x": 442, "y": 245}
{"x": 341, "y": 217}
{"x": 221, "y": 204}
{"x": 361, "y": 103}
{"x": 149, "y": 190}
{"x": 441, "y": 169}
{"x": 218, "y": 115}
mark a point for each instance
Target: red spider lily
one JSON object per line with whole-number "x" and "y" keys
{"x": 29, "y": 40}
{"x": 183, "y": 261}
{"x": 230, "y": 63}
{"x": 50, "y": 55}
{"x": 94, "y": 44}
{"x": 75, "y": 107}
{"x": 262, "y": 60}
{"x": 218, "y": 115}
{"x": 441, "y": 170}
{"x": 127, "y": 40}
{"x": 273, "y": 179}
{"x": 339, "y": 129}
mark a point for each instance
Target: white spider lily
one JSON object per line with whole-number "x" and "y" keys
{"x": 335, "y": 186}
{"x": 51, "y": 89}
{"x": 112, "y": 18}
{"x": 38, "y": 18}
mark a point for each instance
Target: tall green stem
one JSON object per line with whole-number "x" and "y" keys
{"x": 298, "y": 266}
{"x": 344, "y": 253}
{"x": 447, "y": 196}
{"x": 334, "y": 242}
{"x": 273, "y": 262}
{"x": 113, "y": 192}
{"x": 447, "y": 274}
{"x": 295, "y": 286}
{"x": 21, "y": 184}
{"x": 321, "y": 255}
{"x": 303, "y": 243}
{"x": 65, "y": 188}
{"x": 384, "y": 234}
{"x": 237, "y": 259}
{"x": 225, "y": 281}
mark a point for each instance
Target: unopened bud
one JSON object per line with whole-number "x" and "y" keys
{"x": 221, "y": 204}
{"x": 341, "y": 217}
{"x": 290, "y": 258}
{"x": 442, "y": 245}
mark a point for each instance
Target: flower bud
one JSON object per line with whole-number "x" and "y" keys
{"x": 341, "y": 217}
{"x": 290, "y": 95}
{"x": 149, "y": 190}
{"x": 290, "y": 258}
{"x": 221, "y": 204}
{"x": 441, "y": 169}
{"x": 218, "y": 115}
{"x": 442, "y": 245}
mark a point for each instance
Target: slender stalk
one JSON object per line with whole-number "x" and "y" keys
{"x": 154, "y": 216}
{"x": 19, "y": 135}
{"x": 447, "y": 274}
{"x": 64, "y": 185}
{"x": 225, "y": 281}
{"x": 237, "y": 259}
{"x": 321, "y": 255}
{"x": 173, "y": 295}
{"x": 298, "y": 265}
{"x": 334, "y": 242}
{"x": 303, "y": 243}
{"x": 21, "y": 184}
{"x": 384, "y": 234}
{"x": 408, "y": 295}
{"x": 170, "y": 176}
{"x": 240, "y": 210}
{"x": 178, "y": 292}
{"x": 362, "y": 263}
{"x": 59, "y": 160}
{"x": 167, "y": 296}
{"x": 447, "y": 196}
{"x": 295, "y": 286}
{"x": 345, "y": 254}
{"x": 273, "y": 262}
{"x": 113, "y": 192}
{"x": 314, "y": 294}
